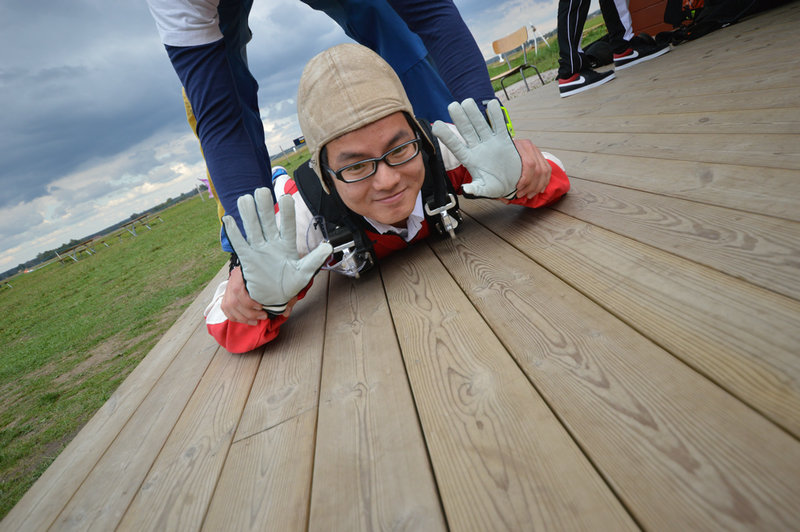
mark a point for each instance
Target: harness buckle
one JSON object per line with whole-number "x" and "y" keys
{"x": 449, "y": 222}
{"x": 346, "y": 258}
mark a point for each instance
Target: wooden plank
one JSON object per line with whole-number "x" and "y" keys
{"x": 708, "y": 66}
{"x": 694, "y": 72}
{"x": 287, "y": 382}
{"x": 722, "y": 58}
{"x": 655, "y": 85}
{"x": 177, "y": 490}
{"x": 708, "y": 71}
{"x": 502, "y": 459}
{"x": 41, "y": 505}
{"x": 773, "y": 193}
{"x": 617, "y": 102}
{"x": 371, "y": 470}
{"x": 770, "y": 151}
{"x": 111, "y": 485}
{"x": 682, "y": 453}
{"x": 762, "y": 250}
{"x": 741, "y": 337}
{"x": 664, "y": 79}
{"x": 266, "y": 481}
{"x": 723, "y": 54}
{"x": 642, "y": 120}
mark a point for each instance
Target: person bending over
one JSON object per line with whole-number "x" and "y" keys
{"x": 378, "y": 180}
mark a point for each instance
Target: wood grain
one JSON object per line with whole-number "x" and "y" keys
{"x": 177, "y": 490}
{"x": 679, "y": 451}
{"x": 769, "y": 151}
{"x": 762, "y": 250}
{"x": 742, "y": 337}
{"x": 784, "y": 120}
{"x": 657, "y": 101}
{"x": 108, "y": 490}
{"x": 773, "y": 193}
{"x": 502, "y": 459}
{"x": 287, "y": 382}
{"x": 266, "y": 482}
{"x": 371, "y": 470}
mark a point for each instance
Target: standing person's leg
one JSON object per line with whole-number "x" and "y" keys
{"x": 571, "y": 18}
{"x": 233, "y": 16}
{"x": 618, "y": 23}
{"x": 628, "y": 49}
{"x": 374, "y": 24}
{"x": 451, "y": 45}
{"x": 574, "y": 74}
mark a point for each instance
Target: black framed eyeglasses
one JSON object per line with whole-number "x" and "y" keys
{"x": 361, "y": 170}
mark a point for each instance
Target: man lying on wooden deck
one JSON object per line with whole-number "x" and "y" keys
{"x": 355, "y": 114}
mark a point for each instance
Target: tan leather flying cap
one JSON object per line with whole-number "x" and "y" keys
{"x": 342, "y": 89}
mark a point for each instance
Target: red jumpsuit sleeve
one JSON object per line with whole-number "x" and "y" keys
{"x": 240, "y": 337}
{"x": 557, "y": 187}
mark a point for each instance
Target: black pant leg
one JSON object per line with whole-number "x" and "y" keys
{"x": 613, "y": 13}
{"x": 571, "y": 19}
{"x": 451, "y": 46}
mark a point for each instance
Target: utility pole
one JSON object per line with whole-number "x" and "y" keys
{"x": 536, "y": 33}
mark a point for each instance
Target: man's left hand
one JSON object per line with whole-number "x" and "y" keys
{"x": 536, "y": 170}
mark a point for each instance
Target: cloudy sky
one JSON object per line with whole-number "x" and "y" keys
{"x": 92, "y": 126}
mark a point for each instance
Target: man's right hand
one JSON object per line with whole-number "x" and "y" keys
{"x": 237, "y": 304}
{"x": 272, "y": 269}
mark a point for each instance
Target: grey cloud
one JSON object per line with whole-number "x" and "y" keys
{"x": 57, "y": 74}
{"x": 48, "y": 146}
{"x": 86, "y": 193}
{"x": 11, "y": 75}
{"x": 10, "y": 223}
{"x": 73, "y": 98}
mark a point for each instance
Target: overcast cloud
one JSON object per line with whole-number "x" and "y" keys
{"x": 93, "y": 127}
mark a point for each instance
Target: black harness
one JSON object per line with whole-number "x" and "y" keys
{"x": 347, "y": 231}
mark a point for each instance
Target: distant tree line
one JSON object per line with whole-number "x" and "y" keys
{"x": 52, "y": 253}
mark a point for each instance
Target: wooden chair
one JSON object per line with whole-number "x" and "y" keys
{"x": 507, "y": 44}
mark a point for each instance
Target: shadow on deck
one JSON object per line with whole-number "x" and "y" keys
{"x": 628, "y": 358}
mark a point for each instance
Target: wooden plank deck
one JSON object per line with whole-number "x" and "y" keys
{"x": 627, "y": 359}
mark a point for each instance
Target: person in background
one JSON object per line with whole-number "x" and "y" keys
{"x": 379, "y": 180}
{"x": 574, "y": 72}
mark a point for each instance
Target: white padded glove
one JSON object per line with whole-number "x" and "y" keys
{"x": 487, "y": 150}
{"x": 272, "y": 269}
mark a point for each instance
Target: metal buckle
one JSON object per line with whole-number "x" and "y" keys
{"x": 351, "y": 262}
{"x": 348, "y": 264}
{"x": 449, "y": 223}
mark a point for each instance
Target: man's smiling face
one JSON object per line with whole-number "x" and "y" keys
{"x": 390, "y": 194}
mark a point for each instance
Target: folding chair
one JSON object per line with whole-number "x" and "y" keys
{"x": 508, "y": 43}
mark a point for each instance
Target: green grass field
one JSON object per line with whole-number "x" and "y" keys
{"x": 72, "y": 332}
{"x": 291, "y": 162}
